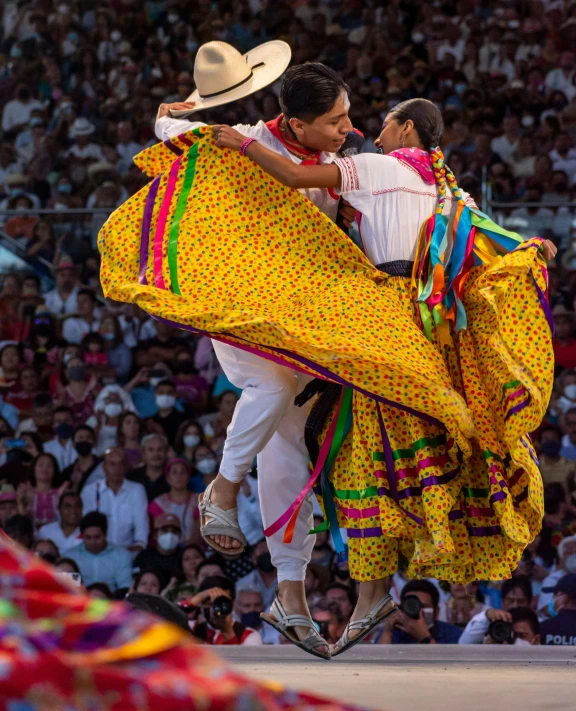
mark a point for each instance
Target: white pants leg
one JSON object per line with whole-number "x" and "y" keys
{"x": 268, "y": 424}
{"x": 282, "y": 474}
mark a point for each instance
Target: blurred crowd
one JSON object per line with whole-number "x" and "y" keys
{"x": 112, "y": 424}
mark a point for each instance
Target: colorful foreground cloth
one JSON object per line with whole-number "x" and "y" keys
{"x": 216, "y": 246}
{"x": 61, "y": 650}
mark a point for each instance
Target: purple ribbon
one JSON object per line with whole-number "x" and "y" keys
{"x": 145, "y": 234}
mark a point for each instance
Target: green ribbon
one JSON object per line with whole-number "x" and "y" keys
{"x": 431, "y": 442}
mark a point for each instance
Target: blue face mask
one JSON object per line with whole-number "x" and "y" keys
{"x": 552, "y": 612}
{"x": 65, "y": 188}
{"x": 251, "y": 619}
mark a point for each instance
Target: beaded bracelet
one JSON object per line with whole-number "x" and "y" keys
{"x": 245, "y": 145}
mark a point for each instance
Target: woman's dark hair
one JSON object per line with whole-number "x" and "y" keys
{"x": 119, "y": 434}
{"x": 102, "y": 587}
{"x": 190, "y": 546}
{"x": 347, "y": 589}
{"x": 43, "y": 325}
{"x": 213, "y": 560}
{"x": 118, "y": 335}
{"x": 90, "y": 338}
{"x": 310, "y": 90}
{"x": 56, "y": 479}
{"x": 424, "y": 586}
{"x": 69, "y": 562}
{"x": 425, "y": 116}
{"x": 152, "y": 571}
{"x": 35, "y": 236}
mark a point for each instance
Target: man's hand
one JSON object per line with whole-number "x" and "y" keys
{"x": 494, "y": 615}
{"x": 418, "y": 629}
{"x": 348, "y": 213}
{"x": 228, "y": 137}
{"x": 166, "y": 109}
{"x": 208, "y": 596}
{"x": 549, "y": 250}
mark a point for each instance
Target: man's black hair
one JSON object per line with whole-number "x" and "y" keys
{"x": 525, "y": 614}
{"x": 425, "y": 586}
{"x": 217, "y": 581}
{"x": 68, "y": 495}
{"x": 310, "y": 90}
{"x": 42, "y": 400}
{"x": 19, "y": 525}
{"x": 86, "y": 291}
{"x": 94, "y": 519}
{"x": 522, "y": 582}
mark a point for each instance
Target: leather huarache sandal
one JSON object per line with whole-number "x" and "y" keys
{"x": 215, "y": 521}
{"x": 284, "y": 623}
{"x": 381, "y": 610}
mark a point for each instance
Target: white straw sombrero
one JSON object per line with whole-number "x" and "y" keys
{"x": 222, "y": 74}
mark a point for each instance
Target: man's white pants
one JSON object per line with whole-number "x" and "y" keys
{"x": 268, "y": 425}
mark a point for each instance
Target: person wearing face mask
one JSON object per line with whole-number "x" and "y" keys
{"x": 560, "y": 629}
{"x": 189, "y": 436}
{"x": 524, "y": 629}
{"x": 77, "y": 390}
{"x": 566, "y": 565}
{"x": 109, "y": 406}
{"x": 61, "y": 447}
{"x": 168, "y": 419}
{"x": 119, "y": 355}
{"x": 165, "y": 555}
{"x": 74, "y": 328}
{"x": 247, "y": 609}
{"x": 427, "y": 628}
{"x": 263, "y": 577}
{"x": 17, "y": 112}
{"x": 205, "y": 464}
{"x": 568, "y": 399}
{"x": 179, "y": 501}
{"x": 88, "y": 467}
{"x": 191, "y": 388}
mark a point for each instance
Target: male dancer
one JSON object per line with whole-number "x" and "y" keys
{"x": 312, "y": 128}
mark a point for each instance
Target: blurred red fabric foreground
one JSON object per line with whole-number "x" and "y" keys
{"x": 61, "y": 650}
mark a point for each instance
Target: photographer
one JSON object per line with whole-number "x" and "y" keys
{"x": 417, "y": 620}
{"x": 522, "y": 628}
{"x": 216, "y": 603}
{"x": 516, "y": 592}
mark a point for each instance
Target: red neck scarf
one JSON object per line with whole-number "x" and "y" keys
{"x": 278, "y": 127}
{"x": 419, "y": 160}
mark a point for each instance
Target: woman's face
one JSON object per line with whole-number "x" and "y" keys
{"x": 131, "y": 427}
{"x": 10, "y": 359}
{"x": 390, "y": 138}
{"x": 46, "y": 548}
{"x": 190, "y": 561}
{"x": 228, "y": 403}
{"x": 29, "y": 380}
{"x": 193, "y": 429}
{"x": 203, "y": 452}
{"x": 149, "y": 584}
{"x": 107, "y": 326}
{"x": 177, "y": 476}
{"x": 44, "y": 471}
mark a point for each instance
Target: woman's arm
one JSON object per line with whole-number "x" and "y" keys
{"x": 279, "y": 167}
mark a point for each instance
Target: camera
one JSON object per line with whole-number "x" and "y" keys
{"x": 501, "y": 632}
{"x": 411, "y": 606}
{"x": 221, "y": 607}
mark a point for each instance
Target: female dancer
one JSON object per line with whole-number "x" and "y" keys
{"x": 400, "y": 483}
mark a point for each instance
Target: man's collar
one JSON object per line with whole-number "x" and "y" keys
{"x": 278, "y": 127}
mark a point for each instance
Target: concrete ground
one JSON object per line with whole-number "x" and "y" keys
{"x": 424, "y": 678}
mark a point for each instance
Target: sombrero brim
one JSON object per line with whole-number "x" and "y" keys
{"x": 275, "y": 57}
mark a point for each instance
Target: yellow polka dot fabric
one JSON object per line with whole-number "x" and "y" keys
{"x": 218, "y": 247}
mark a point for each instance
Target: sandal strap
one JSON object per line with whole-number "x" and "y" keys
{"x": 285, "y": 621}
{"x": 367, "y": 621}
{"x": 222, "y": 522}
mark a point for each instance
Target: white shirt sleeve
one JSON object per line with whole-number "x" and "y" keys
{"x": 141, "y": 520}
{"x": 253, "y": 640}
{"x": 166, "y": 127}
{"x": 88, "y": 499}
{"x": 475, "y": 630}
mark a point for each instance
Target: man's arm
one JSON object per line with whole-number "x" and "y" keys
{"x": 475, "y": 630}
{"x": 141, "y": 520}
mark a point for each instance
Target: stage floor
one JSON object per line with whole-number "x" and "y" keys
{"x": 424, "y": 678}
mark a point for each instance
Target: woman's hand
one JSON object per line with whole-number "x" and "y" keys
{"x": 228, "y": 137}
{"x": 549, "y": 250}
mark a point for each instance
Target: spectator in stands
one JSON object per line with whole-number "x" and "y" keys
{"x": 126, "y": 147}
{"x": 191, "y": 556}
{"x": 213, "y": 566}
{"x": 129, "y": 435}
{"x": 20, "y": 529}
{"x": 100, "y": 591}
{"x": 189, "y": 436}
{"x": 63, "y": 299}
{"x": 219, "y": 628}
{"x": 564, "y": 340}
{"x": 344, "y": 597}
{"x": 148, "y": 581}
{"x": 87, "y": 468}
{"x": 75, "y": 328}
{"x": 263, "y": 577}
{"x": 46, "y": 549}
{"x": 78, "y": 390}
{"x": 119, "y": 355}
{"x": 566, "y": 566}
{"x": 61, "y": 447}
{"x": 65, "y": 532}
{"x": 123, "y": 502}
{"x": 98, "y": 560}
{"x": 67, "y": 565}
{"x": 247, "y": 608}
{"x": 560, "y": 628}
{"x": 216, "y": 425}
{"x": 8, "y": 503}
{"x": 329, "y": 618}
{"x": 151, "y": 473}
{"x": 427, "y": 628}
{"x": 179, "y": 500}
{"x": 39, "y": 497}
{"x": 569, "y": 440}
{"x": 516, "y": 592}
{"x": 165, "y": 556}
{"x": 168, "y": 419}
{"x": 205, "y": 464}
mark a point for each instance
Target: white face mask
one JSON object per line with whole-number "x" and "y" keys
{"x": 165, "y": 402}
{"x": 191, "y": 440}
{"x": 570, "y": 392}
{"x": 113, "y": 409}
{"x": 168, "y": 541}
{"x": 206, "y": 466}
{"x": 522, "y": 642}
{"x": 570, "y": 564}
{"x": 428, "y": 613}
